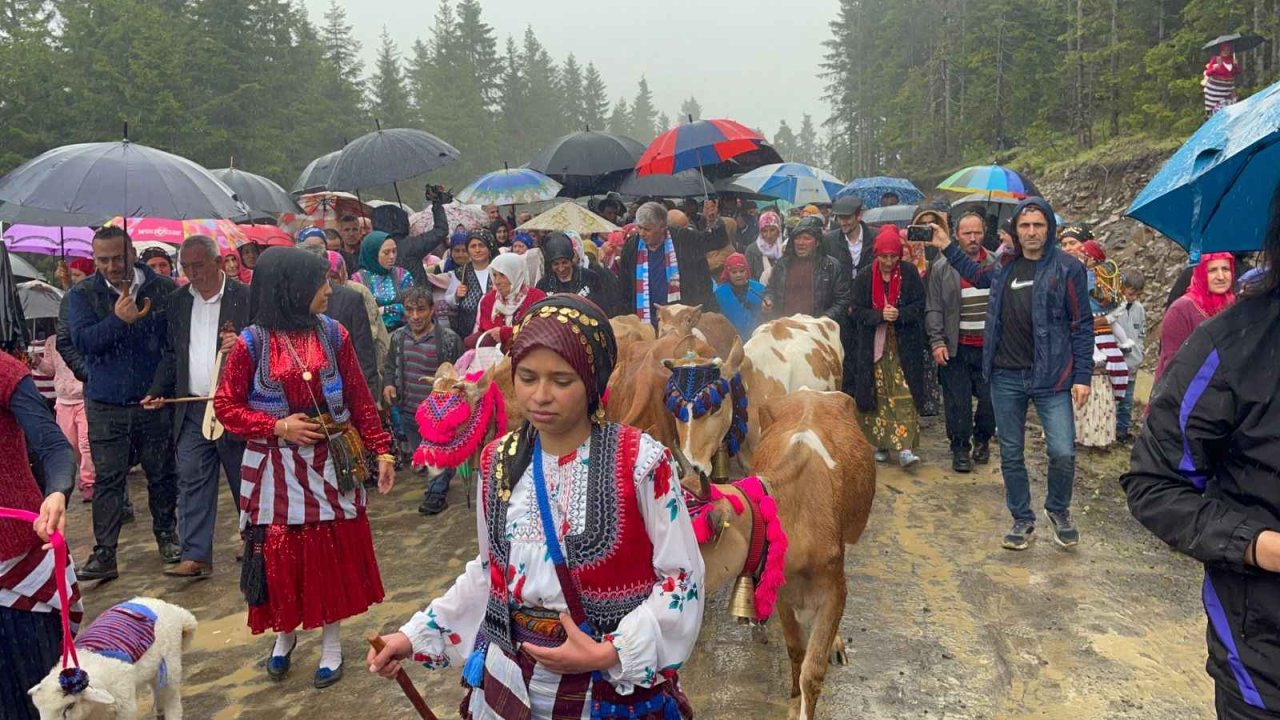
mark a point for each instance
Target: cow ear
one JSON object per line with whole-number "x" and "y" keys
{"x": 695, "y": 316}
{"x": 764, "y": 416}
{"x": 733, "y": 365}
{"x": 476, "y": 390}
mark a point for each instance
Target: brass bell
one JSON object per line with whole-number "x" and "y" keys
{"x": 742, "y": 604}
{"x": 720, "y": 466}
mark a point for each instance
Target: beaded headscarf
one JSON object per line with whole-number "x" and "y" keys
{"x": 577, "y": 330}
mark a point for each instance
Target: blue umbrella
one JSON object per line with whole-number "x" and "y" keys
{"x": 871, "y": 189}
{"x": 796, "y": 183}
{"x": 1214, "y": 194}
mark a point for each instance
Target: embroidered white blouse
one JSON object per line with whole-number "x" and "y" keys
{"x": 658, "y": 635}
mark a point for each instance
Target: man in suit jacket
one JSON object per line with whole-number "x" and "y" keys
{"x": 204, "y": 319}
{"x": 691, "y": 247}
{"x": 850, "y": 243}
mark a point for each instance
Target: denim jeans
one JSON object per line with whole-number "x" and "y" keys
{"x": 199, "y": 462}
{"x": 962, "y": 381}
{"x": 1124, "y": 408}
{"x": 1010, "y": 396}
{"x": 117, "y": 435}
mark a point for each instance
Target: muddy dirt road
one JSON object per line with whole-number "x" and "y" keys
{"x": 940, "y": 622}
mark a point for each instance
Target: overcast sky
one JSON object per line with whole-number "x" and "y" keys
{"x": 756, "y": 61}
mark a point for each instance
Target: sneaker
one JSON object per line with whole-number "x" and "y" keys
{"x": 1020, "y": 535}
{"x": 1064, "y": 528}
{"x": 101, "y": 566}
{"x": 882, "y": 456}
{"x": 960, "y": 462}
{"x": 433, "y": 504}
{"x": 906, "y": 458}
{"x": 982, "y": 453}
{"x": 170, "y": 550}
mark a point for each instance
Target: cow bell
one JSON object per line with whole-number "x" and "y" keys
{"x": 720, "y": 466}
{"x": 742, "y": 604}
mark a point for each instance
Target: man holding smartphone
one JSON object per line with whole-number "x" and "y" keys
{"x": 1037, "y": 348}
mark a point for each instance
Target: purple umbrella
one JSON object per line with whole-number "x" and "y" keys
{"x": 40, "y": 240}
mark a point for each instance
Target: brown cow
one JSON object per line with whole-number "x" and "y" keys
{"x": 822, "y": 473}
{"x": 628, "y": 329}
{"x": 636, "y": 387}
{"x": 712, "y": 327}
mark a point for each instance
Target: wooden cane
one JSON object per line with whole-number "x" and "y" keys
{"x": 178, "y": 401}
{"x": 411, "y": 692}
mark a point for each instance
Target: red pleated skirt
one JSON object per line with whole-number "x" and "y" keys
{"x": 318, "y": 573}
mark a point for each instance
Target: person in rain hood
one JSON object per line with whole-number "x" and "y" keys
{"x": 411, "y": 250}
{"x": 564, "y": 273}
{"x": 1037, "y": 348}
{"x": 805, "y": 281}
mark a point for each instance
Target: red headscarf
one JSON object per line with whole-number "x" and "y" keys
{"x": 736, "y": 260}
{"x": 1206, "y": 301}
{"x": 84, "y": 265}
{"x": 245, "y": 275}
{"x": 1093, "y": 250}
{"x": 887, "y": 242}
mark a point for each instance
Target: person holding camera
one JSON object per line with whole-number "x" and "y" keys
{"x": 411, "y": 250}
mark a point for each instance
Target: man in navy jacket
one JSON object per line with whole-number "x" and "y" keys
{"x": 1037, "y": 348}
{"x": 119, "y": 324}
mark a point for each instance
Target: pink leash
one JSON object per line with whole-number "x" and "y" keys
{"x": 60, "y": 581}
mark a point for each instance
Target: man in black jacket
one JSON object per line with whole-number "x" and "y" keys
{"x": 805, "y": 281}
{"x": 347, "y": 307}
{"x": 204, "y": 319}
{"x": 118, "y": 320}
{"x": 690, "y": 246}
{"x": 850, "y": 243}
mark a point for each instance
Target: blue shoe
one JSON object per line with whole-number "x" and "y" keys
{"x": 278, "y": 665}
{"x": 326, "y": 677}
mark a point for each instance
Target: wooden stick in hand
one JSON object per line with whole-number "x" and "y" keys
{"x": 411, "y": 692}
{"x": 176, "y": 401}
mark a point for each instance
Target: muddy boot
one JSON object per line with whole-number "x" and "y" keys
{"x": 433, "y": 503}
{"x": 101, "y": 566}
{"x": 982, "y": 453}
{"x": 1065, "y": 532}
{"x": 960, "y": 462}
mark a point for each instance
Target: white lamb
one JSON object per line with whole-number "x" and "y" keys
{"x": 132, "y": 646}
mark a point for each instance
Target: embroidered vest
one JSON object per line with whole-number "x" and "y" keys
{"x": 603, "y": 557}
{"x": 267, "y": 395}
{"x": 18, "y": 488}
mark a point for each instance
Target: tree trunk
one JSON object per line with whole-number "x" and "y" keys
{"x": 998, "y": 122}
{"x": 1113, "y": 81}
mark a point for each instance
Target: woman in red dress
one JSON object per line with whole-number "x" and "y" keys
{"x": 508, "y": 297}
{"x": 292, "y": 388}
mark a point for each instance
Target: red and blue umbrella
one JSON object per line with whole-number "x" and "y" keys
{"x": 697, "y": 145}
{"x": 995, "y": 180}
{"x": 508, "y": 186}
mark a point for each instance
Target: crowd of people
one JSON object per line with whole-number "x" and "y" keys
{"x": 296, "y": 373}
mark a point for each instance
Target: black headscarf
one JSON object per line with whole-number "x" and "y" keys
{"x": 486, "y": 237}
{"x": 285, "y": 282}
{"x": 13, "y": 324}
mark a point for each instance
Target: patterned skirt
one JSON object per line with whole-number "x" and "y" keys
{"x": 1096, "y": 421}
{"x": 894, "y": 424}
{"x": 317, "y": 573}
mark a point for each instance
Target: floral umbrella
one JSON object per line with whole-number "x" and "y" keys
{"x": 225, "y": 233}
{"x": 322, "y": 209}
{"x": 468, "y": 216}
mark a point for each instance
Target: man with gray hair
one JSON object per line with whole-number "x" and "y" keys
{"x": 205, "y": 319}
{"x": 664, "y": 266}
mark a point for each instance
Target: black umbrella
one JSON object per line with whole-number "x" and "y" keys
{"x": 385, "y": 157}
{"x": 19, "y": 215}
{"x": 316, "y": 177}
{"x": 1239, "y": 43}
{"x": 13, "y": 325}
{"x": 259, "y": 193}
{"x": 588, "y": 162}
{"x": 119, "y": 178}
{"x": 686, "y": 183}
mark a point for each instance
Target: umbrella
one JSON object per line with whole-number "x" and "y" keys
{"x": 22, "y": 269}
{"x": 871, "y": 189}
{"x": 689, "y": 183}
{"x": 588, "y": 162}
{"x": 764, "y": 154}
{"x": 266, "y": 235}
{"x": 570, "y": 216}
{"x": 793, "y": 182}
{"x": 13, "y": 326}
{"x": 470, "y": 217}
{"x": 225, "y": 233}
{"x": 323, "y": 209}
{"x": 115, "y": 178}
{"x": 697, "y": 144}
{"x": 259, "y": 193}
{"x": 316, "y": 175}
{"x": 1214, "y": 194}
{"x": 994, "y": 180}
{"x": 897, "y": 214}
{"x": 375, "y": 204}
{"x": 41, "y": 240}
{"x": 11, "y": 213}
{"x": 385, "y": 157}
{"x": 1239, "y": 43}
{"x": 509, "y": 187}
{"x": 39, "y": 299}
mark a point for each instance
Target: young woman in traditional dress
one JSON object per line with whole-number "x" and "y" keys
{"x": 586, "y": 595}
{"x": 292, "y": 387}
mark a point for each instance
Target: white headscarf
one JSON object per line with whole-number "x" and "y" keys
{"x": 515, "y": 269}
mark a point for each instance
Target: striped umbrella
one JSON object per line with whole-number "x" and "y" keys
{"x": 995, "y": 180}
{"x": 509, "y": 187}
{"x": 796, "y": 183}
{"x": 697, "y": 145}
